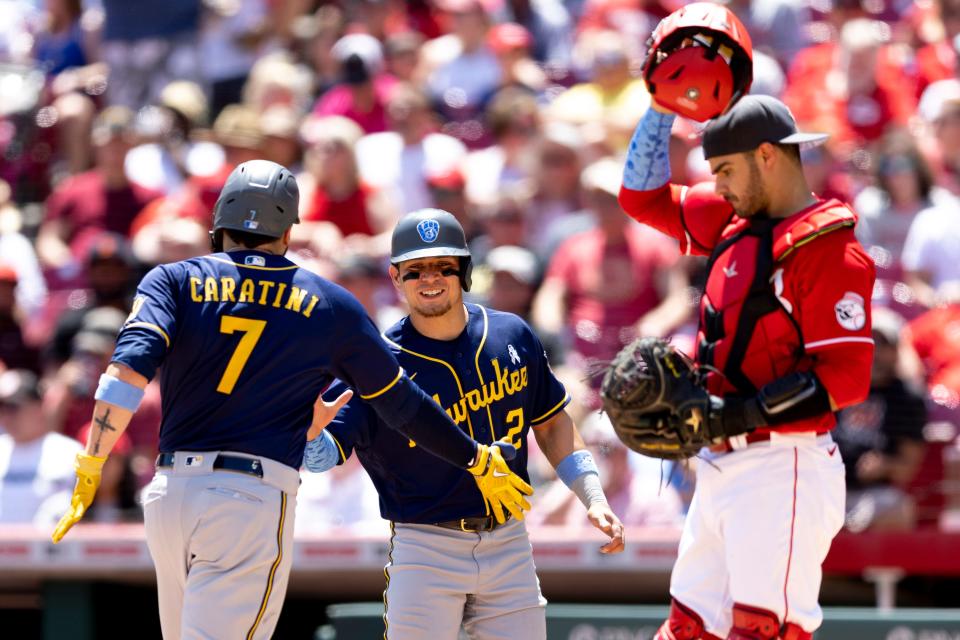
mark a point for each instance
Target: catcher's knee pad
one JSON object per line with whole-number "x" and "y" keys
{"x": 751, "y": 623}
{"x": 681, "y": 624}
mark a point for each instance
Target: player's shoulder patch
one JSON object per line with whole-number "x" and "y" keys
{"x": 850, "y": 311}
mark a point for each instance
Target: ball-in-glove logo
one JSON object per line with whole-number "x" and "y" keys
{"x": 429, "y": 230}
{"x": 850, "y": 312}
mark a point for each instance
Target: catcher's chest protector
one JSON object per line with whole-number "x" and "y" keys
{"x": 748, "y": 329}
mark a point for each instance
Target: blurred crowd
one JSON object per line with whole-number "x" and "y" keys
{"x": 120, "y": 120}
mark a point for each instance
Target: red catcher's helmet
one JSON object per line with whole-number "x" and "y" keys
{"x": 699, "y": 61}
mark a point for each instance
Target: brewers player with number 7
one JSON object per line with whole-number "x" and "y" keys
{"x": 784, "y": 336}
{"x": 451, "y": 561}
{"x": 247, "y": 341}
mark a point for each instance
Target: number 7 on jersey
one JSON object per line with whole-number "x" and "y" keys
{"x": 252, "y": 330}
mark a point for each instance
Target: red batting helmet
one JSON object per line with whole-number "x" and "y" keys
{"x": 699, "y": 61}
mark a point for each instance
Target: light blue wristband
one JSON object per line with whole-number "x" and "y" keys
{"x": 575, "y": 465}
{"x": 118, "y": 393}
{"x": 321, "y": 454}
{"x": 648, "y": 157}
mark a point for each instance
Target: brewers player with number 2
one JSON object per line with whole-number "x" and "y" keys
{"x": 785, "y": 336}
{"x": 247, "y": 341}
{"x": 451, "y": 562}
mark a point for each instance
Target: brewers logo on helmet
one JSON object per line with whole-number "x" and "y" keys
{"x": 699, "y": 61}
{"x": 429, "y": 233}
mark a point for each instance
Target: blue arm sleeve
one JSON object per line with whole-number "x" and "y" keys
{"x": 648, "y": 157}
{"x": 322, "y": 453}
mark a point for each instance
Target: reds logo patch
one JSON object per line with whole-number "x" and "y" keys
{"x": 850, "y": 311}
{"x": 429, "y": 230}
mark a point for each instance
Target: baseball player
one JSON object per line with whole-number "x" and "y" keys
{"x": 247, "y": 340}
{"x": 450, "y": 562}
{"x": 785, "y": 334}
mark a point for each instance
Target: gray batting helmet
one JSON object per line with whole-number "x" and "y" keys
{"x": 260, "y": 197}
{"x": 430, "y": 233}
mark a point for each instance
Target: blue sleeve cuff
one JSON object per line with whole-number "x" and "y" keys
{"x": 648, "y": 157}
{"x": 575, "y": 465}
{"x": 321, "y": 454}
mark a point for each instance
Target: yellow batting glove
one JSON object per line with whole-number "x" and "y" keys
{"x": 88, "y": 470}
{"x": 499, "y": 485}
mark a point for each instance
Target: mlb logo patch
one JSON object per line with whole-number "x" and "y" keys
{"x": 256, "y": 261}
{"x": 429, "y": 230}
{"x": 252, "y": 225}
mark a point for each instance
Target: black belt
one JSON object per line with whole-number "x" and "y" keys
{"x": 249, "y": 466}
{"x": 473, "y": 525}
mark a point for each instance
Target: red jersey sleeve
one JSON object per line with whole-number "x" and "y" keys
{"x": 833, "y": 282}
{"x": 695, "y": 216}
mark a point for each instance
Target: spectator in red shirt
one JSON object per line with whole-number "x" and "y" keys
{"x": 855, "y": 88}
{"x": 98, "y": 200}
{"x": 332, "y": 193}
{"x": 601, "y": 281}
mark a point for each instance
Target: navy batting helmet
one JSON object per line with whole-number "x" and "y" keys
{"x": 429, "y": 233}
{"x": 260, "y": 197}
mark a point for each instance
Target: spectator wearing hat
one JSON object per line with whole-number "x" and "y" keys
{"x": 14, "y": 352}
{"x": 514, "y": 274}
{"x": 599, "y": 282}
{"x": 280, "y": 125}
{"x": 364, "y": 88}
{"x": 399, "y": 162}
{"x": 881, "y": 439}
{"x": 36, "y": 478}
{"x": 102, "y": 199}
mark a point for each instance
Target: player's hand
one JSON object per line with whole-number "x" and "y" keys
{"x": 324, "y": 412}
{"x": 89, "y": 469}
{"x": 602, "y": 517}
{"x": 500, "y": 487}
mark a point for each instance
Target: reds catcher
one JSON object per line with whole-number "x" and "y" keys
{"x": 785, "y": 335}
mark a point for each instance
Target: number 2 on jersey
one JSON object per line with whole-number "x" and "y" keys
{"x": 514, "y": 416}
{"x": 251, "y": 329}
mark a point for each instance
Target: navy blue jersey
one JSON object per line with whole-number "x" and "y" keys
{"x": 493, "y": 381}
{"x": 247, "y": 341}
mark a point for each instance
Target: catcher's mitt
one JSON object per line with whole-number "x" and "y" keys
{"x": 655, "y": 401}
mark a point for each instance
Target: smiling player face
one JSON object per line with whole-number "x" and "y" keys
{"x": 431, "y": 286}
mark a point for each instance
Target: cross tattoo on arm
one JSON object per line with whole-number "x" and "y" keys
{"x": 104, "y": 425}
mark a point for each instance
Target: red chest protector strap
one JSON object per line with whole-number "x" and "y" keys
{"x": 776, "y": 239}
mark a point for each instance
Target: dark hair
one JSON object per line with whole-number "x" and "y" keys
{"x": 901, "y": 144}
{"x": 246, "y": 239}
{"x": 792, "y": 151}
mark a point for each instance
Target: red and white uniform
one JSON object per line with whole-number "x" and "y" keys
{"x": 781, "y": 296}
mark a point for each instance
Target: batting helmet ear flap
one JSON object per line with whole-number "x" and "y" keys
{"x": 466, "y": 272}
